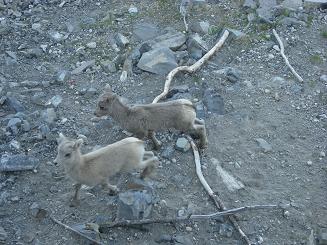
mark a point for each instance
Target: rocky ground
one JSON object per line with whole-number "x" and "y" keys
{"x": 265, "y": 128}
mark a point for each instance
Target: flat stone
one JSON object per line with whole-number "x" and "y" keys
{"x": 233, "y": 74}
{"x": 55, "y": 100}
{"x": 214, "y": 102}
{"x": 226, "y": 230}
{"x": 18, "y": 162}
{"x": 314, "y": 3}
{"x": 264, "y": 145}
{"x": 196, "y": 46}
{"x": 37, "y": 212}
{"x": 39, "y": 98}
{"x": 294, "y": 4}
{"x": 236, "y": 34}
{"x": 3, "y": 234}
{"x": 265, "y": 10}
{"x": 121, "y": 40}
{"x": 182, "y": 144}
{"x": 49, "y": 115}
{"x": 250, "y": 4}
{"x": 83, "y": 67}
{"x": 32, "y": 53}
{"x": 172, "y": 40}
{"x": 62, "y": 76}
{"x": 135, "y": 204}
{"x": 108, "y": 66}
{"x": 145, "y": 31}
{"x": 290, "y": 21}
{"x": 323, "y": 78}
{"x": 159, "y": 61}
{"x": 322, "y": 238}
{"x": 14, "y": 104}
{"x": 56, "y": 36}
{"x": 30, "y": 84}
{"x": 201, "y": 27}
{"x": 91, "y": 45}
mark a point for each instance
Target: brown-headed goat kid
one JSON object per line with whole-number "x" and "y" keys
{"x": 144, "y": 120}
{"x": 97, "y": 166}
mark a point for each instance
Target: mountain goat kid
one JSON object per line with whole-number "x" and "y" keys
{"x": 144, "y": 120}
{"x": 97, "y": 166}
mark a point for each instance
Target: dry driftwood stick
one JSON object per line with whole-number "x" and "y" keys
{"x": 218, "y": 202}
{"x": 186, "y": 218}
{"x": 191, "y": 68}
{"x": 281, "y": 45}
{"x": 75, "y": 231}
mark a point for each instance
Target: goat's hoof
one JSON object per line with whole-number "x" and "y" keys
{"x": 113, "y": 191}
{"x": 74, "y": 203}
{"x": 157, "y": 146}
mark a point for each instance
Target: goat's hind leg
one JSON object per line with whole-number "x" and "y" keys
{"x": 201, "y": 132}
{"x": 156, "y": 142}
{"x": 199, "y": 121}
{"x": 150, "y": 165}
{"x": 112, "y": 189}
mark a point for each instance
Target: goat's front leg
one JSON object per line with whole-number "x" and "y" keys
{"x": 75, "y": 200}
{"x": 156, "y": 142}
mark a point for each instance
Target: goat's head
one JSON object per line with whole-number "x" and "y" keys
{"x": 104, "y": 102}
{"x": 68, "y": 150}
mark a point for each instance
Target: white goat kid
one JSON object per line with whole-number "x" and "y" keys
{"x": 97, "y": 166}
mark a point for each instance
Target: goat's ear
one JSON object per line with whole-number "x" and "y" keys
{"x": 78, "y": 143}
{"x": 107, "y": 88}
{"x": 61, "y": 138}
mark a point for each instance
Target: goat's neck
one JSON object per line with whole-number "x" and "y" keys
{"x": 74, "y": 167}
{"x": 119, "y": 110}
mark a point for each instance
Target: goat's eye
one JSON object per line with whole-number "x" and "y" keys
{"x": 67, "y": 155}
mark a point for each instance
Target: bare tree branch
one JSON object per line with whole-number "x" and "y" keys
{"x": 191, "y": 68}
{"x": 281, "y": 45}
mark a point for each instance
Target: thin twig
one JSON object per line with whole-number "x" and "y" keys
{"x": 218, "y": 202}
{"x": 281, "y": 46}
{"x": 191, "y": 68}
{"x": 75, "y": 231}
{"x": 127, "y": 223}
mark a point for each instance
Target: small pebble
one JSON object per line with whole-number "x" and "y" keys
{"x": 309, "y": 163}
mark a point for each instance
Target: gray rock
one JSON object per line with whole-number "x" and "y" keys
{"x": 14, "y": 125}
{"x": 236, "y": 34}
{"x": 176, "y": 90}
{"x": 26, "y": 126}
{"x": 37, "y": 212}
{"x": 18, "y": 162}
{"x": 251, "y": 4}
{"x": 323, "y": 78}
{"x": 233, "y": 74}
{"x": 182, "y": 144}
{"x": 200, "y": 111}
{"x": 32, "y": 53}
{"x": 294, "y": 4}
{"x": 83, "y": 67}
{"x": 30, "y": 84}
{"x": 181, "y": 57}
{"x": 314, "y": 3}
{"x": 168, "y": 152}
{"x": 49, "y": 116}
{"x": 135, "y": 204}
{"x": 132, "y": 10}
{"x": 179, "y": 239}
{"x": 196, "y": 46}
{"x": 55, "y": 100}
{"x": 159, "y": 61}
{"x": 36, "y": 27}
{"x": 322, "y": 238}
{"x": 264, "y": 145}
{"x": 39, "y": 98}
{"x": 14, "y": 104}
{"x": 226, "y": 230}
{"x": 172, "y": 40}
{"x": 214, "y": 102}
{"x": 108, "y": 66}
{"x": 62, "y": 76}
{"x": 164, "y": 239}
{"x": 56, "y": 36}
{"x": 44, "y": 130}
{"x": 290, "y": 21}
{"x": 91, "y": 92}
{"x": 201, "y": 27}
{"x": 3, "y": 235}
{"x": 121, "y": 40}
{"x": 265, "y": 10}
{"x": 145, "y": 31}
{"x": 82, "y": 228}
{"x": 91, "y": 45}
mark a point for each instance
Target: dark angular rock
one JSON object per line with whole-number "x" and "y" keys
{"x": 214, "y": 102}
{"x": 14, "y": 104}
{"x": 18, "y": 162}
{"x": 145, "y": 31}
